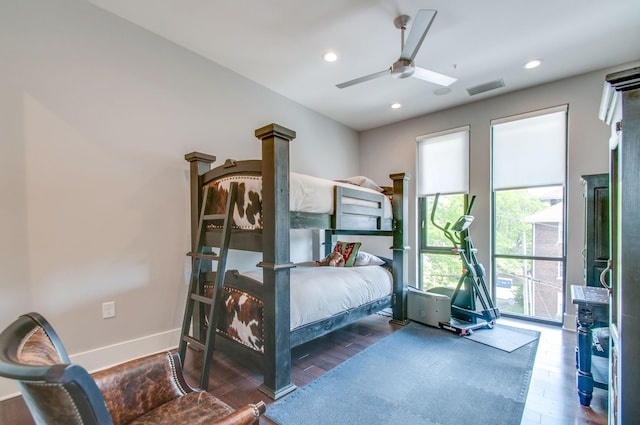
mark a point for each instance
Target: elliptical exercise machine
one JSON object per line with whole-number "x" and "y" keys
{"x": 465, "y": 318}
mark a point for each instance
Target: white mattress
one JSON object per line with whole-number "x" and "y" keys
{"x": 306, "y": 194}
{"x": 321, "y": 292}
{"x": 315, "y": 195}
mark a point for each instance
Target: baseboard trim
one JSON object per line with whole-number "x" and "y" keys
{"x": 569, "y": 322}
{"x": 104, "y": 357}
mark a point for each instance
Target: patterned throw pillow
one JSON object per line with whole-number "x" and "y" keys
{"x": 349, "y": 251}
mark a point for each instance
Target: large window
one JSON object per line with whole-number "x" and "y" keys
{"x": 529, "y": 168}
{"x": 443, "y": 168}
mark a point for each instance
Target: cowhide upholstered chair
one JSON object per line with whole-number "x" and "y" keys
{"x": 149, "y": 390}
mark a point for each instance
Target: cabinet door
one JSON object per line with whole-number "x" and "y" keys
{"x": 596, "y": 249}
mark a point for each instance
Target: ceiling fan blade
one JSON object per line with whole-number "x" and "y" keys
{"x": 433, "y": 77}
{"x": 419, "y": 29}
{"x": 363, "y": 79}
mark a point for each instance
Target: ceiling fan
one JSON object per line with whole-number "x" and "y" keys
{"x": 404, "y": 66}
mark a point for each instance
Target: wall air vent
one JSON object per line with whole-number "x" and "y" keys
{"x": 481, "y": 88}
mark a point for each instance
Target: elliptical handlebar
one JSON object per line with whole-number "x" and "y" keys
{"x": 461, "y": 225}
{"x": 446, "y": 227}
{"x": 473, "y": 199}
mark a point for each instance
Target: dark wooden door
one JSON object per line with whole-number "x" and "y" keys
{"x": 596, "y": 232}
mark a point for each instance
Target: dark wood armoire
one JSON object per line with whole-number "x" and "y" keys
{"x": 620, "y": 108}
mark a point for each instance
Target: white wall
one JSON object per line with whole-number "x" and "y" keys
{"x": 96, "y": 115}
{"x": 392, "y": 148}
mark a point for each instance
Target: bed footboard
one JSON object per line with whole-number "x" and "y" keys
{"x": 359, "y": 217}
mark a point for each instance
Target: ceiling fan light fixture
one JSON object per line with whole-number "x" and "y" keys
{"x": 330, "y": 56}
{"x": 534, "y": 63}
{"x": 402, "y": 69}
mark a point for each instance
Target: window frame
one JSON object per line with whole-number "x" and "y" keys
{"x": 423, "y": 215}
{"x": 561, "y": 259}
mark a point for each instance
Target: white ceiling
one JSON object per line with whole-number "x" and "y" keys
{"x": 279, "y": 43}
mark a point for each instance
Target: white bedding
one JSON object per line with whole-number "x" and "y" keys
{"x": 321, "y": 292}
{"x": 315, "y": 195}
{"x": 306, "y": 194}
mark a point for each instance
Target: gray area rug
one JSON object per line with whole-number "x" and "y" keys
{"x": 416, "y": 376}
{"x": 502, "y": 337}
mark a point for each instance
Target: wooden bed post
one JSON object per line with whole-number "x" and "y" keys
{"x": 400, "y": 221}
{"x": 199, "y": 163}
{"x": 276, "y": 259}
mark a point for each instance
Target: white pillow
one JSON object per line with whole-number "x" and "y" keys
{"x": 366, "y": 259}
{"x": 362, "y": 181}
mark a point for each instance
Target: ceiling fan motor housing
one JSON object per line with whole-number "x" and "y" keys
{"x": 402, "y": 69}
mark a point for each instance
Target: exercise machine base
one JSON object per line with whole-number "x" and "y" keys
{"x": 463, "y": 328}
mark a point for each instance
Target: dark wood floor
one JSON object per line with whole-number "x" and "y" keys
{"x": 552, "y": 398}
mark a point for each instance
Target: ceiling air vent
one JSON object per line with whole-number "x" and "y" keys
{"x": 481, "y": 88}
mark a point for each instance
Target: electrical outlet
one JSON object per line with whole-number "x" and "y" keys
{"x": 109, "y": 310}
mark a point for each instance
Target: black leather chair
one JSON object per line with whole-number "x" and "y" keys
{"x": 149, "y": 390}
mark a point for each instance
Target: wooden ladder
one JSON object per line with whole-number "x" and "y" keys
{"x": 196, "y": 299}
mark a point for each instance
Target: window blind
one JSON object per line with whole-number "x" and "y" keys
{"x": 529, "y": 150}
{"x": 443, "y": 162}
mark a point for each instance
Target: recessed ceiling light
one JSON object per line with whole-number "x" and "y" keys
{"x": 395, "y": 105}
{"x": 533, "y": 64}
{"x": 330, "y": 56}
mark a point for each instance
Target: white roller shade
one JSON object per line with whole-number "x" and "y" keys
{"x": 443, "y": 162}
{"x": 530, "y": 150}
